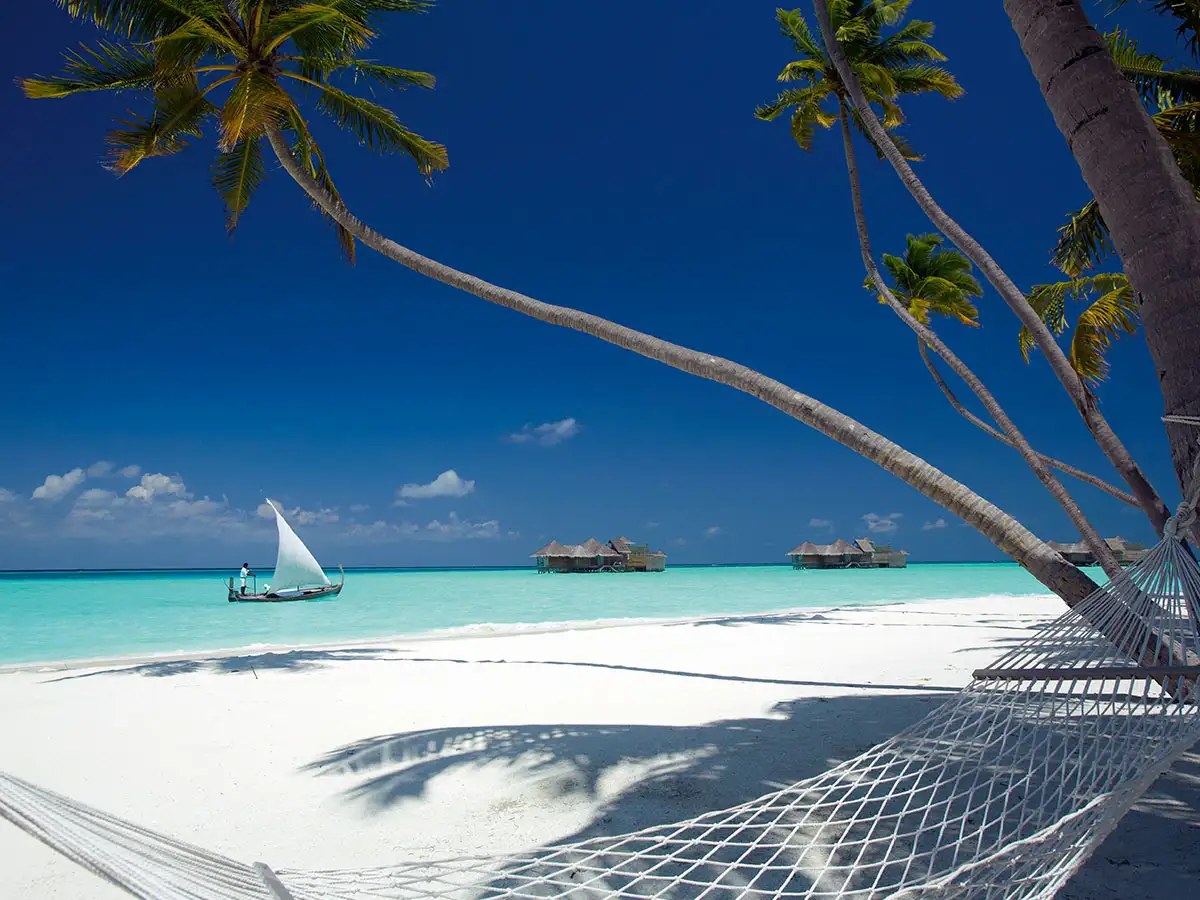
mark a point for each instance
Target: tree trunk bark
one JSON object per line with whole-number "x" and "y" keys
{"x": 1013, "y": 538}
{"x": 1097, "y": 425}
{"x": 927, "y": 337}
{"x": 1067, "y": 468}
{"x": 1149, "y": 207}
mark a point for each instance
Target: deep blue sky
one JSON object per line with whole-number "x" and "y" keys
{"x": 602, "y": 156}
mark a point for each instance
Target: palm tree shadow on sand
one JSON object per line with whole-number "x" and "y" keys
{"x": 826, "y": 837}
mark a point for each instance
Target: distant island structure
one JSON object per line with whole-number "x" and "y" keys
{"x": 1126, "y": 552}
{"x": 862, "y": 554}
{"x": 619, "y": 555}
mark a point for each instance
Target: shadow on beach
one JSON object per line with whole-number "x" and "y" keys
{"x": 685, "y": 770}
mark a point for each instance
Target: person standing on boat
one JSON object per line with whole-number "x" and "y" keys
{"x": 245, "y": 572}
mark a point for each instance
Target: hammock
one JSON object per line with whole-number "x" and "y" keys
{"x": 999, "y": 794}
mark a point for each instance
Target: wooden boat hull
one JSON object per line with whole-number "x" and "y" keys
{"x": 315, "y": 593}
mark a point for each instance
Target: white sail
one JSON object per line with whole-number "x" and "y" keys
{"x": 295, "y": 566}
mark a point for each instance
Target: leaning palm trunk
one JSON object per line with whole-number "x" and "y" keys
{"x": 1003, "y": 530}
{"x": 1066, "y": 468}
{"x": 1149, "y": 207}
{"x": 928, "y": 337}
{"x": 1084, "y": 402}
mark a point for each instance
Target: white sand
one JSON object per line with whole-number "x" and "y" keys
{"x": 492, "y": 744}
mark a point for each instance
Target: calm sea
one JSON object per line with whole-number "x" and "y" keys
{"x": 62, "y": 616}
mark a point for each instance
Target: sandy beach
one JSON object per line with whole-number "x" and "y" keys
{"x": 419, "y": 749}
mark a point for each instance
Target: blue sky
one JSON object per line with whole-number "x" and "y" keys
{"x": 601, "y": 157}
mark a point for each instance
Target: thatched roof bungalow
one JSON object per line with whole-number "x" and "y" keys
{"x": 1078, "y": 553}
{"x": 620, "y": 555}
{"x": 841, "y": 554}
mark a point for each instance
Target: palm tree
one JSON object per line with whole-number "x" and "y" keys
{"x": 882, "y": 68}
{"x": 1083, "y": 401}
{"x": 888, "y": 67}
{"x": 184, "y": 54}
{"x": 1172, "y": 96}
{"x": 267, "y": 56}
{"x": 930, "y": 280}
{"x": 1111, "y": 311}
{"x": 1130, "y": 169}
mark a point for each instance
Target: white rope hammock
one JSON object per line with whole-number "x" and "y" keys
{"x": 999, "y": 794}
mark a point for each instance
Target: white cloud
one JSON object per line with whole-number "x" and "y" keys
{"x": 359, "y": 507}
{"x": 713, "y": 531}
{"x": 547, "y": 434}
{"x": 651, "y": 525}
{"x": 882, "y": 524}
{"x": 7, "y": 496}
{"x": 679, "y": 542}
{"x": 934, "y": 525}
{"x": 100, "y": 469}
{"x": 55, "y": 487}
{"x": 130, "y": 471}
{"x": 454, "y": 529}
{"x": 820, "y": 523}
{"x": 157, "y": 484}
{"x": 448, "y": 484}
{"x": 95, "y": 497}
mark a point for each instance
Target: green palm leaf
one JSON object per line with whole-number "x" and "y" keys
{"x": 178, "y": 116}
{"x": 255, "y": 101}
{"x": 930, "y": 280}
{"x": 1112, "y": 312}
{"x": 378, "y": 128}
{"x": 887, "y": 68}
{"x": 230, "y": 60}
{"x": 309, "y": 154}
{"x": 104, "y": 67}
{"x": 236, "y": 175}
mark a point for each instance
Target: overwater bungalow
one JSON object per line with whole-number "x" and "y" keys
{"x": 619, "y": 555}
{"x": 862, "y": 554}
{"x": 1126, "y": 552}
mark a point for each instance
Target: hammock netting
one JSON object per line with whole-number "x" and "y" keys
{"x": 999, "y": 794}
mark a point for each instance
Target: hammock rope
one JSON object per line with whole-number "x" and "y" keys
{"x": 1001, "y": 793}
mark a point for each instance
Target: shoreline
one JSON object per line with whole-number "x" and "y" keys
{"x": 488, "y": 630}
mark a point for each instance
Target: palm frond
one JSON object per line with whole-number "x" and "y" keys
{"x": 1148, "y": 72}
{"x": 255, "y": 101}
{"x": 369, "y": 69}
{"x": 319, "y": 29}
{"x": 1114, "y": 311}
{"x": 793, "y": 25}
{"x": 141, "y": 19}
{"x": 309, "y": 154}
{"x": 1110, "y": 315}
{"x": 378, "y": 128}
{"x": 178, "y": 116}
{"x": 1083, "y": 242}
{"x": 104, "y": 67}
{"x": 1186, "y": 11}
{"x": 236, "y": 175}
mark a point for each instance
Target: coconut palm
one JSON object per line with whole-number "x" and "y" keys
{"x": 1173, "y": 98}
{"x": 1111, "y": 311}
{"x": 243, "y": 66}
{"x": 901, "y": 63}
{"x": 1130, "y": 169}
{"x": 928, "y": 279}
{"x": 167, "y": 50}
{"x": 1014, "y": 298}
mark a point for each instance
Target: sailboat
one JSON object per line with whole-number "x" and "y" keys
{"x": 298, "y": 575}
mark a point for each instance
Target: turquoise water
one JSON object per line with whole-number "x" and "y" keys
{"x": 61, "y": 616}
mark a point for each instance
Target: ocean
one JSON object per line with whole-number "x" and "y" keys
{"x": 53, "y": 616}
